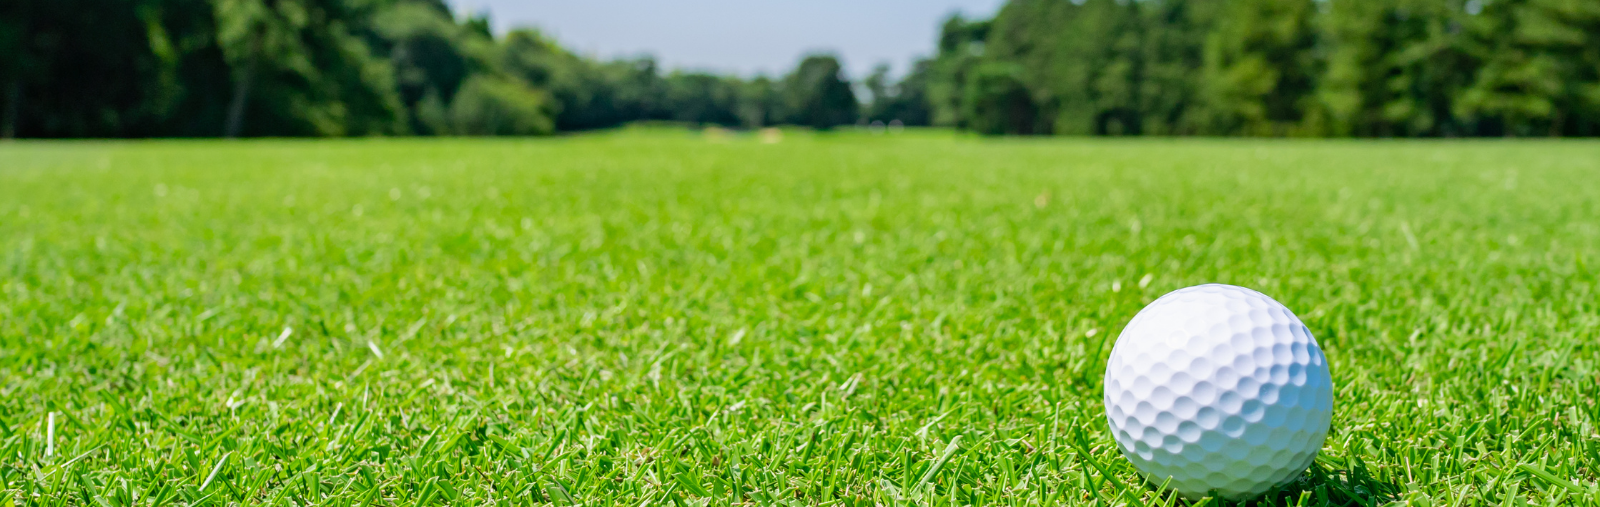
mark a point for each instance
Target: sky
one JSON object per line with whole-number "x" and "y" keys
{"x": 744, "y": 37}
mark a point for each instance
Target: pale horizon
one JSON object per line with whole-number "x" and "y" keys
{"x": 737, "y": 37}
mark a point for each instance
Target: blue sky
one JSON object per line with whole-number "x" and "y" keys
{"x": 738, "y": 36}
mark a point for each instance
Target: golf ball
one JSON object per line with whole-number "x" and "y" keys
{"x": 1218, "y": 390}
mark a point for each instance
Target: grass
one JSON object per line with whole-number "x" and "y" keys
{"x": 653, "y": 318}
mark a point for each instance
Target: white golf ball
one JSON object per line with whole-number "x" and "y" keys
{"x": 1218, "y": 390}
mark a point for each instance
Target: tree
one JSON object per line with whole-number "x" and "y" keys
{"x": 639, "y": 88}
{"x": 1102, "y": 67}
{"x": 997, "y": 101}
{"x": 1080, "y": 59}
{"x": 589, "y": 94}
{"x": 582, "y": 97}
{"x": 496, "y": 106}
{"x": 1541, "y": 68}
{"x": 760, "y": 104}
{"x": 910, "y": 103}
{"x": 818, "y": 96}
{"x": 432, "y": 56}
{"x": 297, "y": 69}
{"x": 1093, "y": 67}
{"x": 1394, "y": 68}
{"x": 1260, "y": 67}
{"x": 877, "y": 85}
{"x": 700, "y": 98}
{"x": 56, "y": 60}
{"x": 905, "y": 101}
{"x": 1172, "y": 56}
{"x": 12, "y": 68}
{"x": 961, "y": 47}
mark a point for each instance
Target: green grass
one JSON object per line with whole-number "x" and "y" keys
{"x": 652, "y": 318}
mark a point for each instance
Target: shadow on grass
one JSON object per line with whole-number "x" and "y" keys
{"x": 1331, "y": 482}
{"x": 1328, "y": 483}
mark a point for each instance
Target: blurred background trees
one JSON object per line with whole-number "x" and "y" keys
{"x": 817, "y": 95}
{"x": 1274, "y": 68}
{"x": 141, "y": 68}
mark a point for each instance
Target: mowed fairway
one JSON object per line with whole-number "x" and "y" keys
{"x": 650, "y": 317}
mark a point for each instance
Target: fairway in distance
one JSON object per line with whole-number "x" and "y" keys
{"x": 1217, "y": 389}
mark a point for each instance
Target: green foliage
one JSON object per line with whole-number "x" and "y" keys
{"x": 346, "y": 68}
{"x": 1541, "y": 70}
{"x": 99, "y": 67}
{"x": 961, "y": 47}
{"x": 590, "y": 94}
{"x": 293, "y": 67}
{"x": 582, "y": 96}
{"x": 1370, "y": 68}
{"x": 298, "y": 70}
{"x": 1260, "y": 68}
{"x": 700, "y": 98}
{"x": 905, "y": 101}
{"x": 816, "y": 94}
{"x": 760, "y": 104}
{"x": 646, "y": 318}
{"x": 490, "y": 106}
{"x": 1102, "y": 67}
{"x": 432, "y": 57}
{"x": 1395, "y": 67}
{"x": 1078, "y": 59}
{"x": 1172, "y": 56}
{"x": 1286, "y": 67}
{"x": 997, "y": 102}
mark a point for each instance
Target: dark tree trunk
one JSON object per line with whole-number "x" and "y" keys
{"x": 241, "y": 86}
{"x": 13, "y": 105}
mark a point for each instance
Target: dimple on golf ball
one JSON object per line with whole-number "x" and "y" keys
{"x": 1218, "y": 390}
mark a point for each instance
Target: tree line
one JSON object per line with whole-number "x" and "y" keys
{"x": 203, "y": 68}
{"x": 1378, "y": 68}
